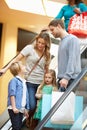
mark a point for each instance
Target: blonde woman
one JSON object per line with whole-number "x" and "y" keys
{"x": 32, "y": 53}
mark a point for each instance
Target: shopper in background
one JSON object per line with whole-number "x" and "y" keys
{"x": 67, "y": 11}
{"x": 69, "y": 61}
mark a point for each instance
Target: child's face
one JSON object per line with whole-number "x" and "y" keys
{"x": 23, "y": 69}
{"x": 48, "y": 79}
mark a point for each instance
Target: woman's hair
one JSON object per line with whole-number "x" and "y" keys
{"x": 76, "y": 1}
{"x": 15, "y": 68}
{"x": 55, "y": 23}
{"x": 53, "y": 74}
{"x": 47, "y": 40}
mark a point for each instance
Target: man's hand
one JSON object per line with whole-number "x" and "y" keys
{"x": 63, "y": 83}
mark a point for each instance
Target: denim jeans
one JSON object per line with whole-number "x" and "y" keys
{"x": 32, "y": 88}
{"x": 16, "y": 119}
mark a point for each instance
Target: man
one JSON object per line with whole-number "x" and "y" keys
{"x": 69, "y": 62}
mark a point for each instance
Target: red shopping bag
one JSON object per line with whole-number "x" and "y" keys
{"x": 78, "y": 25}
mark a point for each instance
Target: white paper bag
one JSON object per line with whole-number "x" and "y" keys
{"x": 65, "y": 113}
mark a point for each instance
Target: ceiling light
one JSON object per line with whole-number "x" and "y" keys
{"x": 41, "y": 7}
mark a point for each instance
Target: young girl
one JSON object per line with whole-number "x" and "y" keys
{"x": 48, "y": 85}
{"x": 17, "y": 95}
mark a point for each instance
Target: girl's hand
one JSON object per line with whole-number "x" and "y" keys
{"x": 26, "y": 113}
{"x": 77, "y": 10}
{"x": 39, "y": 96}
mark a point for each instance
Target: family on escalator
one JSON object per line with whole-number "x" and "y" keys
{"x": 69, "y": 67}
{"x": 25, "y": 95}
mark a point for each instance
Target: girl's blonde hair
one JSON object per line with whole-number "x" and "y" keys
{"x": 15, "y": 68}
{"x": 47, "y": 40}
{"x": 54, "y": 83}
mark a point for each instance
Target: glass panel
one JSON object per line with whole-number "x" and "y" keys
{"x": 82, "y": 91}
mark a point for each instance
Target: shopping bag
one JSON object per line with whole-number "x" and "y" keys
{"x": 78, "y": 25}
{"x": 65, "y": 113}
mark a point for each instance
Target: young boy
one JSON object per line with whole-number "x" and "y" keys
{"x": 17, "y": 96}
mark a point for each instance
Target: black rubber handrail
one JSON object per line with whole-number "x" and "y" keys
{"x": 17, "y": 55}
{"x": 61, "y": 100}
{"x": 4, "y": 123}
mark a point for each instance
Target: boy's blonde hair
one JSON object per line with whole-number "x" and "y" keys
{"x": 15, "y": 68}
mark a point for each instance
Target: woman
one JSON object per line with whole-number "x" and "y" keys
{"x": 73, "y": 7}
{"x": 32, "y": 53}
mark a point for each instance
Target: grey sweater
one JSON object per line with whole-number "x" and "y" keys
{"x": 69, "y": 61}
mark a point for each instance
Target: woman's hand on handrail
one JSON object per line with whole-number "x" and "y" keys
{"x": 2, "y": 71}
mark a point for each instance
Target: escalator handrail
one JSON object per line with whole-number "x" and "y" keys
{"x": 61, "y": 100}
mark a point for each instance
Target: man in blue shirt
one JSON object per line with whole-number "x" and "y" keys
{"x": 69, "y": 62}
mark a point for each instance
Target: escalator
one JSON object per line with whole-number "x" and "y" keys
{"x": 79, "y": 86}
{"x": 80, "y": 90}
